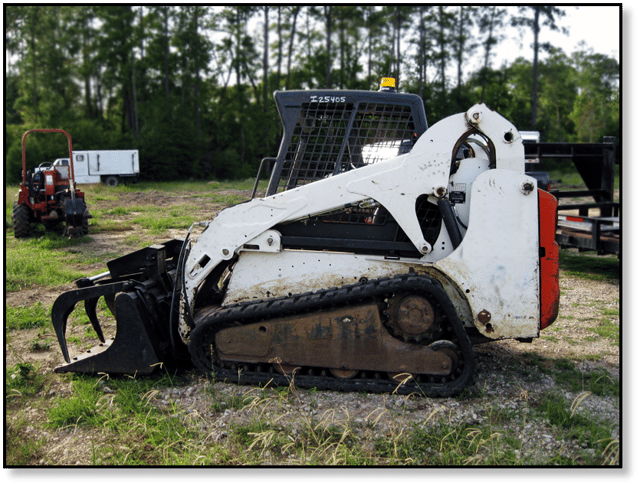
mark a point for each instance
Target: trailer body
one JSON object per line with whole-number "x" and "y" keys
{"x": 108, "y": 166}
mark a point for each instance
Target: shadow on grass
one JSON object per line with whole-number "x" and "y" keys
{"x": 590, "y": 266}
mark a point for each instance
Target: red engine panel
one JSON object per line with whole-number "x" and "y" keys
{"x": 549, "y": 258}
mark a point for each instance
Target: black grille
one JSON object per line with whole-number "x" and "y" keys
{"x": 373, "y": 216}
{"x": 325, "y": 139}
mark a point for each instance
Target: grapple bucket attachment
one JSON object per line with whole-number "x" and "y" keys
{"x": 139, "y": 295}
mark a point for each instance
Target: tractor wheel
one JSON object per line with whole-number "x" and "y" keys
{"x": 85, "y": 226}
{"x": 20, "y": 217}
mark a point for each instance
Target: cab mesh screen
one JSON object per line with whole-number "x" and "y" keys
{"x": 331, "y": 138}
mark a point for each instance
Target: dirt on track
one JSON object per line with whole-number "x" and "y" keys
{"x": 501, "y": 372}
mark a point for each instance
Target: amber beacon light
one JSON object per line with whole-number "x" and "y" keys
{"x": 388, "y": 84}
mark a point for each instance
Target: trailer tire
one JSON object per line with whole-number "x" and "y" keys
{"x": 21, "y": 218}
{"x": 111, "y": 181}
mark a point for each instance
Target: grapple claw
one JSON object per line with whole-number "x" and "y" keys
{"x": 90, "y": 309}
{"x": 132, "y": 351}
{"x": 111, "y": 304}
{"x": 64, "y": 305}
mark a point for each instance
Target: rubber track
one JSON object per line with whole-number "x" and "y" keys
{"x": 211, "y": 320}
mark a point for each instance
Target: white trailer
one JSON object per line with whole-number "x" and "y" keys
{"x": 108, "y": 166}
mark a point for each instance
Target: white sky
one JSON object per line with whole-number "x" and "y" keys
{"x": 597, "y": 25}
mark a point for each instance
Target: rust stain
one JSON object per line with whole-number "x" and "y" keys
{"x": 342, "y": 339}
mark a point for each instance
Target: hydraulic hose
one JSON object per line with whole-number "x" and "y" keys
{"x": 449, "y": 219}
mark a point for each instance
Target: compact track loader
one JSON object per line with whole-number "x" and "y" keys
{"x": 381, "y": 252}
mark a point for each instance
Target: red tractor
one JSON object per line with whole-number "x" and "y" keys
{"x": 49, "y": 196}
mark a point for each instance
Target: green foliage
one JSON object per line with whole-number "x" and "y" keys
{"x": 151, "y": 78}
{"x": 169, "y": 147}
{"x": 597, "y": 106}
{"x": 608, "y": 330}
{"x": 21, "y": 449}
{"x": 598, "y": 382}
{"x": 23, "y": 380}
{"x": 452, "y": 445}
{"x": 558, "y": 91}
{"x": 594, "y": 434}
{"x": 160, "y": 225}
{"x": 81, "y": 408}
{"x": 88, "y": 403}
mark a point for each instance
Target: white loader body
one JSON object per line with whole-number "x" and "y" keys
{"x": 495, "y": 267}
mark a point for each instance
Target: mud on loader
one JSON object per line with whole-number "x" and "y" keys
{"x": 49, "y": 196}
{"x": 380, "y": 253}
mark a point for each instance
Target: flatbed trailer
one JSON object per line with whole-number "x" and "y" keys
{"x": 596, "y": 226}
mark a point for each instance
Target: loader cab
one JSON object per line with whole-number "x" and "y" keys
{"x": 327, "y": 132}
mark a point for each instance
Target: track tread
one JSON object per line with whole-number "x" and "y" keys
{"x": 211, "y": 320}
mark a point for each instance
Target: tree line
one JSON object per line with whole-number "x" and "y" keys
{"x": 191, "y": 86}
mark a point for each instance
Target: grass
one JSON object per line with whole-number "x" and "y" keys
{"x": 45, "y": 261}
{"x": 122, "y": 408}
{"x": 279, "y": 429}
{"x": 175, "y": 187}
{"x": 95, "y": 194}
{"x": 564, "y": 372}
{"x": 158, "y": 220}
{"x": 138, "y": 423}
{"x": 589, "y": 267}
{"x": 570, "y": 176}
{"x": 447, "y": 444}
{"x": 23, "y": 380}
{"x": 594, "y": 435}
{"x": 598, "y": 382}
{"x": 608, "y": 330}
{"x": 27, "y": 317}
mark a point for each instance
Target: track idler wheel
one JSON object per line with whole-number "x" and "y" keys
{"x": 344, "y": 374}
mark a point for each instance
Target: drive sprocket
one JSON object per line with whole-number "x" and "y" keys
{"x": 414, "y": 318}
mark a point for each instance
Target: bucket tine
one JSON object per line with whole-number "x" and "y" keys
{"x": 90, "y": 309}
